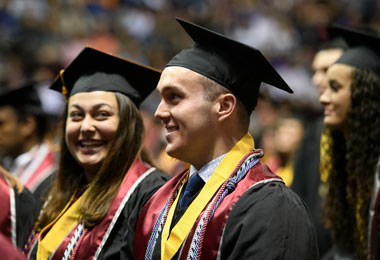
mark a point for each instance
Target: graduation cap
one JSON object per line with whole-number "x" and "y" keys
{"x": 234, "y": 65}
{"x": 333, "y": 40}
{"x": 93, "y": 70}
{"x": 23, "y": 96}
{"x": 364, "y": 50}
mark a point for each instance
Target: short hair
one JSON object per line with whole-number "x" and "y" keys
{"x": 212, "y": 90}
{"x": 26, "y": 102}
{"x": 41, "y": 118}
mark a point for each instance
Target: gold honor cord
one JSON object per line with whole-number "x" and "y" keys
{"x": 172, "y": 241}
{"x": 60, "y": 228}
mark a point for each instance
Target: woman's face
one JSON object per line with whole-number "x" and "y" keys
{"x": 91, "y": 123}
{"x": 336, "y": 96}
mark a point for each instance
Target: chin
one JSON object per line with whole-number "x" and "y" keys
{"x": 173, "y": 152}
{"x": 90, "y": 163}
{"x": 334, "y": 125}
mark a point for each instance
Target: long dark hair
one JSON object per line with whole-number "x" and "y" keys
{"x": 126, "y": 145}
{"x": 352, "y": 167}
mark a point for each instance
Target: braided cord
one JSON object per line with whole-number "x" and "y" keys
{"x": 69, "y": 251}
{"x": 29, "y": 241}
{"x": 229, "y": 186}
{"x": 157, "y": 229}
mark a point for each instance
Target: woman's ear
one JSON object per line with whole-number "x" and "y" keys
{"x": 227, "y": 104}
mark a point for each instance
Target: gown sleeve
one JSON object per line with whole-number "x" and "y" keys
{"x": 26, "y": 212}
{"x": 120, "y": 243}
{"x": 8, "y": 251}
{"x": 269, "y": 222}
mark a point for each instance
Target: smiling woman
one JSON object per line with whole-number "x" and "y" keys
{"x": 335, "y": 97}
{"x": 351, "y": 150}
{"x": 102, "y": 182}
{"x": 92, "y": 121}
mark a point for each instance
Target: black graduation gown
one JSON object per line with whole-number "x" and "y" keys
{"x": 307, "y": 178}
{"x": 268, "y": 222}
{"x": 42, "y": 191}
{"x": 26, "y": 212}
{"x": 119, "y": 244}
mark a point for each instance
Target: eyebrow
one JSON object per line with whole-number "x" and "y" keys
{"x": 97, "y": 106}
{"x": 167, "y": 88}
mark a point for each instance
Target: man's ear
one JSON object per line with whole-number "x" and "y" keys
{"x": 28, "y": 126}
{"x": 227, "y": 104}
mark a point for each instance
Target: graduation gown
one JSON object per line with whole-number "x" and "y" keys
{"x": 17, "y": 212}
{"x": 8, "y": 250}
{"x": 112, "y": 238}
{"x": 35, "y": 169}
{"x": 307, "y": 178}
{"x": 260, "y": 218}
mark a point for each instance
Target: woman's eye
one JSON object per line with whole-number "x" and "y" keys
{"x": 76, "y": 115}
{"x": 102, "y": 114}
{"x": 334, "y": 86}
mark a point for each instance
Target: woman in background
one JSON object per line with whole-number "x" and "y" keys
{"x": 351, "y": 154}
{"x": 102, "y": 181}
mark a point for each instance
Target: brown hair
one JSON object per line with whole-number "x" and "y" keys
{"x": 99, "y": 194}
{"x": 213, "y": 89}
{"x": 13, "y": 181}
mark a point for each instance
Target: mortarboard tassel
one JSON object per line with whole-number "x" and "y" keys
{"x": 64, "y": 89}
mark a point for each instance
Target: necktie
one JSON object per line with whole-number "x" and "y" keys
{"x": 194, "y": 184}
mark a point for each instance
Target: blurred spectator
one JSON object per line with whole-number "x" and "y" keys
{"x": 17, "y": 210}
{"x": 287, "y": 137}
{"x": 23, "y": 149}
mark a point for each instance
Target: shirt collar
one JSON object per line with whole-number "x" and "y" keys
{"x": 21, "y": 161}
{"x": 206, "y": 171}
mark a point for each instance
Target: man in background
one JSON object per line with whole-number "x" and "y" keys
{"x": 23, "y": 149}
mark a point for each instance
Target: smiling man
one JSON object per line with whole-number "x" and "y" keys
{"x": 228, "y": 205}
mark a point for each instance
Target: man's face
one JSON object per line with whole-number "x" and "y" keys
{"x": 322, "y": 60}
{"x": 186, "y": 114}
{"x": 10, "y": 133}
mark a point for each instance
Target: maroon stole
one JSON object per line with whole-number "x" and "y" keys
{"x": 212, "y": 237}
{"x": 92, "y": 240}
{"x": 7, "y": 207}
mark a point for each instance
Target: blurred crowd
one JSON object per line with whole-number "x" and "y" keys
{"x": 40, "y": 37}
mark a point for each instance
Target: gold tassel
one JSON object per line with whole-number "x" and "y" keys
{"x": 64, "y": 89}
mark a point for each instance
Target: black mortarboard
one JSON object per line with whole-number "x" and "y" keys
{"x": 93, "y": 70}
{"x": 25, "y": 95}
{"x": 364, "y": 50}
{"x": 234, "y": 65}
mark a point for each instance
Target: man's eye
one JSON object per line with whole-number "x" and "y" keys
{"x": 174, "y": 96}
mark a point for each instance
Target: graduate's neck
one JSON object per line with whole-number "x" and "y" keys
{"x": 222, "y": 145}
{"x": 90, "y": 173}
